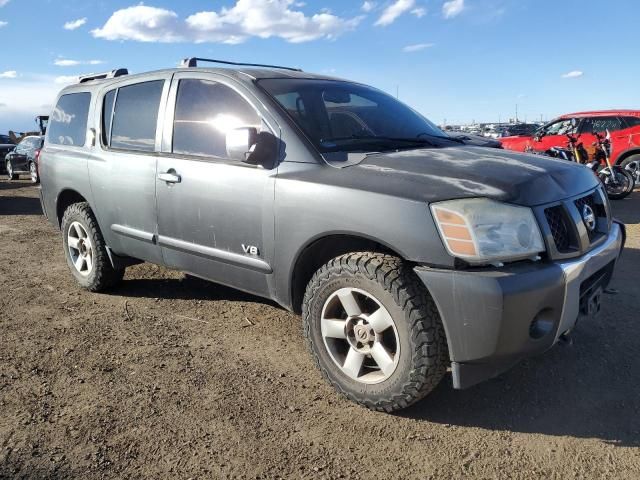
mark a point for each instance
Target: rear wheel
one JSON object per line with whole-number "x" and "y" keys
{"x": 33, "y": 172}
{"x": 11, "y": 175}
{"x": 632, "y": 165}
{"x": 374, "y": 331}
{"x": 85, "y": 250}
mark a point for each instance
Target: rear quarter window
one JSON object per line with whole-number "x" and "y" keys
{"x": 68, "y": 123}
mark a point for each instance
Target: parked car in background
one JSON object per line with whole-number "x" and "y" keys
{"x": 475, "y": 140}
{"x": 23, "y": 159}
{"x": 623, "y": 125}
{"x": 6, "y": 145}
{"x": 521, "y": 129}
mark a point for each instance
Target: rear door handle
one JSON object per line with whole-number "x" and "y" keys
{"x": 170, "y": 177}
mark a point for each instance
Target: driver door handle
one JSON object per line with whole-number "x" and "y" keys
{"x": 170, "y": 177}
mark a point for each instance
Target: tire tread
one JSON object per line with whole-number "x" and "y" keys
{"x": 105, "y": 276}
{"x": 430, "y": 354}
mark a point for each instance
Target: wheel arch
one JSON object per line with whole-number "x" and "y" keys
{"x": 626, "y": 154}
{"x": 66, "y": 198}
{"x": 318, "y": 251}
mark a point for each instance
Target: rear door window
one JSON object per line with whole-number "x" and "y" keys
{"x": 135, "y": 116}
{"x": 68, "y": 124}
{"x": 601, "y": 124}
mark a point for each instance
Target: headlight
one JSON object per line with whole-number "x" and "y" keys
{"x": 483, "y": 231}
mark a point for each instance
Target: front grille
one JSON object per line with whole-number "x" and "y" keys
{"x": 565, "y": 235}
{"x": 559, "y": 226}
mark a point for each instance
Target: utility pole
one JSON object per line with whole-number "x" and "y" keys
{"x": 516, "y": 113}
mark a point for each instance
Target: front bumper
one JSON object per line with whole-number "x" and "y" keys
{"x": 495, "y": 318}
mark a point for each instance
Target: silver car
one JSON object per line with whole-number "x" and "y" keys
{"x": 405, "y": 251}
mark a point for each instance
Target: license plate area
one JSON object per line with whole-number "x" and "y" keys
{"x": 592, "y": 289}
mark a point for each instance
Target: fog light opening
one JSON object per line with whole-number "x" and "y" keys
{"x": 541, "y": 325}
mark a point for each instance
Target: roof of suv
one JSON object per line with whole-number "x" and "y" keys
{"x": 242, "y": 74}
{"x": 603, "y": 113}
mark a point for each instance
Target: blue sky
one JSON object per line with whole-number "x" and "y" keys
{"x": 459, "y": 60}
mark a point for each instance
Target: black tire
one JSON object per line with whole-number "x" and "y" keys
{"x": 11, "y": 175}
{"x": 616, "y": 194}
{"x": 423, "y": 356}
{"x": 33, "y": 173}
{"x": 102, "y": 275}
{"x": 635, "y": 161}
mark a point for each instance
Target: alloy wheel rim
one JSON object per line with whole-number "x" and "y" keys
{"x": 80, "y": 248}
{"x": 360, "y": 335}
{"x": 32, "y": 170}
{"x": 634, "y": 169}
{"x": 9, "y": 169}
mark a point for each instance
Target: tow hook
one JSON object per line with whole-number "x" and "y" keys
{"x": 566, "y": 338}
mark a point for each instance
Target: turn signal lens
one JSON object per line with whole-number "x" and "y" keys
{"x": 483, "y": 231}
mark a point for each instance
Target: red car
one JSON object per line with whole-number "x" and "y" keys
{"x": 624, "y": 126}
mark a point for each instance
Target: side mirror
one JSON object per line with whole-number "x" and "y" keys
{"x": 239, "y": 142}
{"x": 265, "y": 151}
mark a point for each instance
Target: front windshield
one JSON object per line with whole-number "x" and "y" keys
{"x": 348, "y": 117}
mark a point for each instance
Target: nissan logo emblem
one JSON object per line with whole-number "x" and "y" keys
{"x": 589, "y": 218}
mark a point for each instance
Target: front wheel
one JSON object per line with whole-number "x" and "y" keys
{"x": 33, "y": 172}
{"x": 618, "y": 182}
{"x": 85, "y": 250}
{"x": 374, "y": 331}
{"x": 11, "y": 175}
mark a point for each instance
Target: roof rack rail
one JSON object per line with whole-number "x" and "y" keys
{"x": 193, "y": 62}
{"x": 101, "y": 76}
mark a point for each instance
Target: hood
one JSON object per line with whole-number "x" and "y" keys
{"x": 461, "y": 172}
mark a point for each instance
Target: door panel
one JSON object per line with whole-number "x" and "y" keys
{"x": 19, "y": 158}
{"x": 123, "y": 179}
{"x": 215, "y": 214}
{"x": 206, "y": 218}
{"x": 123, "y": 186}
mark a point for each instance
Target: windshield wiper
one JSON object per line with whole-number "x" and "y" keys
{"x": 378, "y": 138}
{"x": 451, "y": 139}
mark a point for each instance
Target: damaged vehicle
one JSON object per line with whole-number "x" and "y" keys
{"x": 406, "y": 252}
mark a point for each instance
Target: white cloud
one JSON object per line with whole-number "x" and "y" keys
{"x": 419, "y": 12}
{"x": 66, "y": 79}
{"x": 73, "y": 24}
{"x": 3, "y": 2}
{"x": 9, "y": 74}
{"x": 417, "y": 47}
{"x": 3, "y": 23}
{"x": 247, "y": 18}
{"x": 452, "y": 8}
{"x": 65, "y": 62}
{"x": 368, "y": 6}
{"x": 573, "y": 74}
{"x": 31, "y": 96}
{"x": 393, "y": 11}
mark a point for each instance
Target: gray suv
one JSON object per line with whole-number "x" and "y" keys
{"x": 405, "y": 252}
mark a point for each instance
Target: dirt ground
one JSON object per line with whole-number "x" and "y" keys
{"x": 168, "y": 377}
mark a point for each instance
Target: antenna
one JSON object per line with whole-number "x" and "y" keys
{"x": 193, "y": 62}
